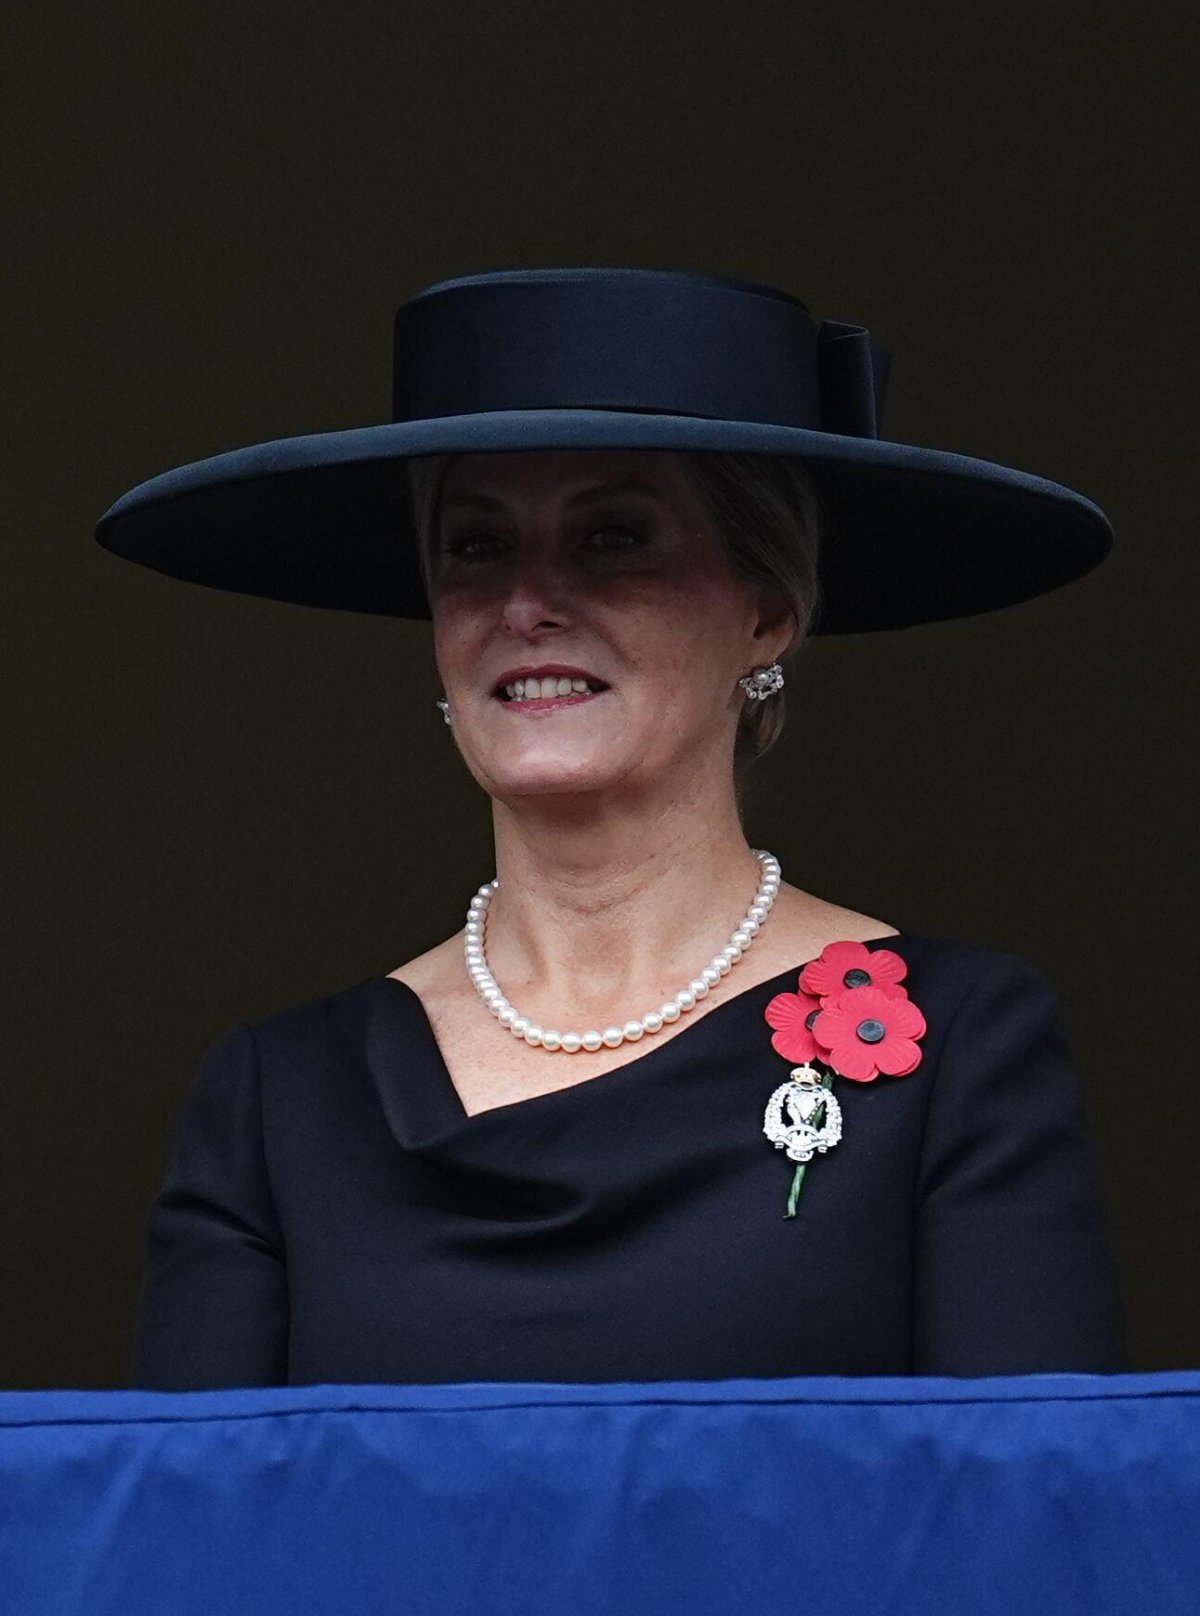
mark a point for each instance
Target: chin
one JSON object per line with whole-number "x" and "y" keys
{"x": 547, "y": 777}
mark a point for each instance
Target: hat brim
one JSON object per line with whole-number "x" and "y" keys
{"x": 910, "y": 535}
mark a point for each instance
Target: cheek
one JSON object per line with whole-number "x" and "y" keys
{"x": 698, "y": 624}
{"x": 455, "y": 637}
{"x": 684, "y": 645}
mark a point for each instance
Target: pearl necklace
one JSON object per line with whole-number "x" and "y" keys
{"x": 568, "y": 1042}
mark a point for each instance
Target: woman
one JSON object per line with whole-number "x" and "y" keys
{"x": 536, "y": 1151}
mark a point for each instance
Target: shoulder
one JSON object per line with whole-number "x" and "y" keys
{"x": 998, "y": 1042}
{"x": 967, "y": 965}
{"x": 963, "y": 987}
{"x": 306, "y": 1031}
{"x": 303, "y": 1022}
{"x": 434, "y": 972}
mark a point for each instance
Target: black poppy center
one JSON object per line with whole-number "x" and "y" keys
{"x": 871, "y": 1032}
{"x": 857, "y": 978}
{"x": 811, "y": 1017}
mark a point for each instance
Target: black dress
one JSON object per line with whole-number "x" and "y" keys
{"x": 331, "y": 1213}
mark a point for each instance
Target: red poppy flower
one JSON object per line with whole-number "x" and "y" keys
{"x": 854, "y": 965}
{"x": 790, "y": 1015}
{"x": 865, "y": 1031}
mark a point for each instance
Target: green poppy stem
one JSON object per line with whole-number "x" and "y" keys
{"x": 797, "y": 1180}
{"x": 798, "y": 1176}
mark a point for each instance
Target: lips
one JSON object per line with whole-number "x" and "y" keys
{"x": 545, "y": 671}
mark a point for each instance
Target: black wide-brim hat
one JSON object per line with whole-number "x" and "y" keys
{"x": 613, "y": 358}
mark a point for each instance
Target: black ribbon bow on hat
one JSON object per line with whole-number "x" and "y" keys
{"x": 853, "y": 371}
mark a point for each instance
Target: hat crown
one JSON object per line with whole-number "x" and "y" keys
{"x": 647, "y": 340}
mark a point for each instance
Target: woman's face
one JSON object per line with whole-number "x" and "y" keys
{"x": 598, "y": 566}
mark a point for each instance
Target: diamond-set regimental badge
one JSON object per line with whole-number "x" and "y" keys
{"x": 805, "y": 1098}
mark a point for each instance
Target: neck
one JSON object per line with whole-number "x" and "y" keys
{"x": 600, "y": 907}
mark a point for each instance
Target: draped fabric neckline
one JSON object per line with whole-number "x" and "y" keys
{"x": 713, "y": 1020}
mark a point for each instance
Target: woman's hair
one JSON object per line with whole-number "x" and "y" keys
{"x": 767, "y": 514}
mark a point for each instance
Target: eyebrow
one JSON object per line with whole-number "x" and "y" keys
{"x": 490, "y": 503}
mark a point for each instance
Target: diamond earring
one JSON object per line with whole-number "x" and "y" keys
{"x": 762, "y": 682}
{"x": 445, "y": 706}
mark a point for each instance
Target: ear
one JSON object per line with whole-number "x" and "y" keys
{"x": 774, "y": 626}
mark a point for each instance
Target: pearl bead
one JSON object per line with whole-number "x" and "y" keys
{"x": 750, "y": 925}
{"x": 533, "y": 1034}
{"x": 479, "y": 902}
{"x": 633, "y": 1031}
{"x": 551, "y": 1038}
{"x": 613, "y": 1036}
{"x": 492, "y": 996}
{"x": 508, "y": 1015}
{"x": 758, "y": 911}
{"x": 721, "y": 965}
{"x": 652, "y": 1022}
{"x": 571, "y": 1042}
{"x": 685, "y": 999}
{"x": 670, "y": 1011}
{"x": 517, "y": 1026}
{"x": 711, "y": 975}
{"x": 732, "y": 953}
{"x": 742, "y": 938}
{"x": 592, "y": 1039}
{"x": 698, "y": 988}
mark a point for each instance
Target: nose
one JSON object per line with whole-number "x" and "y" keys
{"x": 538, "y": 597}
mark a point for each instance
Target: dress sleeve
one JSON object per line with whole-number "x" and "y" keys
{"x": 213, "y": 1307}
{"x": 1014, "y": 1269}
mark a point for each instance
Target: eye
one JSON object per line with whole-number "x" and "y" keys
{"x": 616, "y": 538}
{"x": 473, "y": 546}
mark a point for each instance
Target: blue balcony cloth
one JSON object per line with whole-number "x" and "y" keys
{"x": 1061, "y": 1494}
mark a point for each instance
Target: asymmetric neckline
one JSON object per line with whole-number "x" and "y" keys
{"x": 650, "y": 1058}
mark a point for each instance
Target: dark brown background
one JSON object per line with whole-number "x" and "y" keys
{"x": 216, "y": 806}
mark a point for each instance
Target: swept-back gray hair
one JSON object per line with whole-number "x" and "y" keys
{"x": 767, "y": 515}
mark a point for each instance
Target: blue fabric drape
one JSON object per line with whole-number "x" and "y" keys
{"x": 1037, "y": 1493}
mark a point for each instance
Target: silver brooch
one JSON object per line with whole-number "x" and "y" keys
{"x": 806, "y": 1098}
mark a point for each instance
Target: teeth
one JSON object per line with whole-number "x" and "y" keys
{"x": 542, "y": 689}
